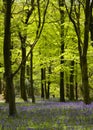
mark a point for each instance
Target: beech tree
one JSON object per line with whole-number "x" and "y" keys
{"x": 30, "y": 41}
{"x": 23, "y": 39}
{"x": 82, "y": 44}
{"x": 7, "y": 58}
{"x": 61, "y": 6}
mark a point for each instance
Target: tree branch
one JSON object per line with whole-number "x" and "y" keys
{"x": 39, "y": 30}
{"x": 76, "y": 26}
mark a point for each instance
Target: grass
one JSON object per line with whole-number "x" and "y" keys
{"x": 48, "y": 115}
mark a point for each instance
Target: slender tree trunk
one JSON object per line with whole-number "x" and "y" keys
{"x": 7, "y": 59}
{"x": 5, "y": 90}
{"x": 67, "y": 84}
{"x": 23, "y": 38}
{"x": 31, "y": 77}
{"x": 72, "y": 81}
{"x": 85, "y": 83}
{"x": 42, "y": 84}
{"x": 45, "y": 86}
{"x": 22, "y": 71}
{"x": 61, "y": 4}
{"x": 82, "y": 46}
{"x": 49, "y": 82}
{"x": 0, "y": 86}
{"x": 48, "y": 90}
{"x": 76, "y": 84}
{"x": 28, "y": 79}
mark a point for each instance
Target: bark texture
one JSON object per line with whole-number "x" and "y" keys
{"x": 7, "y": 59}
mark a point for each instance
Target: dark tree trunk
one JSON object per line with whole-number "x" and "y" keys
{"x": 5, "y": 90}
{"x": 61, "y": 4}
{"x": 31, "y": 77}
{"x": 76, "y": 84}
{"x": 85, "y": 83}
{"x": 44, "y": 81}
{"x": 49, "y": 82}
{"x": 22, "y": 71}
{"x": 83, "y": 52}
{"x": 7, "y": 59}
{"x": 84, "y": 69}
{"x": 82, "y": 49}
{"x": 76, "y": 90}
{"x": 67, "y": 85}
{"x": 48, "y": 90}
{"x": 72, "y": 81}
{"x": 42, "y": 84}
{"x": 28, "y": 79}
{"x": 0, "y": 86}
{"x": 23, "y": 38}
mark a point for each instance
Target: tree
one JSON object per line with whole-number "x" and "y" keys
{"x": 31, "y": 77}
{"x": 7, "y": 58}
{"x": 42, "y": 84}
{"x": 82, "y": 45}
{"x": 76, "y": 82}
{"x": 23, "y": 39}
{"x": 28, "y": 40}
{"x": 61, "y": 5}
{"x": 49, "y": 81}
{"x": 22, "y": 71}
{"x": 40, "y": 25}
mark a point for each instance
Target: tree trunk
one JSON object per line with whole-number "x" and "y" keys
{"x": 83, "y": 52}
{"x": 45, "y": 86}
{"x": 76, "y": 83}
{"x": 23, "y": 38}
{"x": 84, "y": 69}
{"x": 82, "y": 46}
{"x": 48, "y": 90}
{"x": 28, "y": 79}
{"x": 22, "y": 71}
{"x": 61, "y": 4}
{"x": 72, "y": 81}
{"x": 49, "y": 82}
{"x": 31, "y": 77}
{"x": 67, "y": 84}
{"x": 7, "y": 59}
{"x": 5, "y": 90}
{"x": 0, "y": 86}
{"x": 42, "y": 84}
{"x": 85, "y": 83}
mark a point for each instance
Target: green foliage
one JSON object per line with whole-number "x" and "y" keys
{"x": 47, "y": 50}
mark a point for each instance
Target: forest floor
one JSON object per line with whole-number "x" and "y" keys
{"x": 47, "y": 115}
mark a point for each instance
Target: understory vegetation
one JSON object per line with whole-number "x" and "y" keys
{"x": 48, "y": 115}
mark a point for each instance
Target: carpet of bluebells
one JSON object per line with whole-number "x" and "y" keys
{"x": 48, "y": 115}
